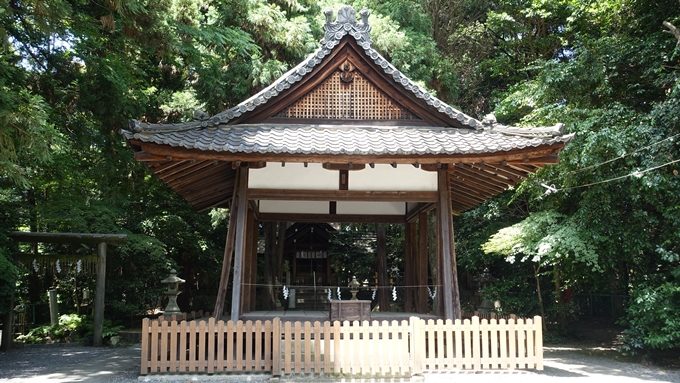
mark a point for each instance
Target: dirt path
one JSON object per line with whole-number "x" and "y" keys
{"x": 572, "y": 364}
{"x": 69, "y": 363}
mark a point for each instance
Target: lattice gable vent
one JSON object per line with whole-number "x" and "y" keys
{"x": 346, "y": 95}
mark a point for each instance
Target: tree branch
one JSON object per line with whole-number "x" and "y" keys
{"x": 673, "y": 30}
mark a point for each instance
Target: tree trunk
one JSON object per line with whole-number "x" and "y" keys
{"x": 539, "y": 295}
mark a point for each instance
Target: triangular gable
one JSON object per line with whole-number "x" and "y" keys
{"x": 381, "y": 92}
{"x": 347, "y": 94}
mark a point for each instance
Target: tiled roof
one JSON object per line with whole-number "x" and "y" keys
{"x": 346, "y": 24}
{"x": 341, "y": 140}
{"x": 220, "y": 133}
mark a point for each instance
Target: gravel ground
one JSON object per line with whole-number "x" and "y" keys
{"x": 72, "y": 363}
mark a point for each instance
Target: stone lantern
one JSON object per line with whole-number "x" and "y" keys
{"x": 484, "y": 279}
{"x": 173, "y": 282}
{"x": 354, "y": 286}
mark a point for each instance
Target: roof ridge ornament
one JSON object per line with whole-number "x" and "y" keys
{"x": 346, "y": 23}
{"x": 490, "y": 123}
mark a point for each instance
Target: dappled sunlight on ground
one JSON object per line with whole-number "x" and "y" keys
{"x": 73, "y": 363}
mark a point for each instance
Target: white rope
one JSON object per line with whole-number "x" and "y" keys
{"x": 637, "y": 174}
{"x": 616, "y": 158}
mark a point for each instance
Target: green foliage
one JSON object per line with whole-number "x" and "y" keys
{"x": 652, "y": 318}
{"x": 138, "y": 266}
{"x": 72, "y": 75}
{"x": 545, "y": 238}
{"x": 9, "y": 275}
{"x": 109, "y": 329}
{"x": 26, "y": 136}
{"x": 69, "y": 328}
{"x": 515, "y": 294}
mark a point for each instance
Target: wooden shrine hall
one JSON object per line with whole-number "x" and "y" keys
{"x": 344, "y": 136}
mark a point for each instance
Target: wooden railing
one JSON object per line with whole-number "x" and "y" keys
{"x": 357, "y": 349}
{"x": 193, "y": 315}
{"x": 475, "y": 345}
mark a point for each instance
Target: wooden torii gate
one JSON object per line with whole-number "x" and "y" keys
{"x": 101, "y": 240}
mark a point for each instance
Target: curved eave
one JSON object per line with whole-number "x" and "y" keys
{"x": 206, "y": 179}
{"x": 541, "y": 154}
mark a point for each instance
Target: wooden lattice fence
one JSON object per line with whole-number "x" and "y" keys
{"x": 331, "y": 348}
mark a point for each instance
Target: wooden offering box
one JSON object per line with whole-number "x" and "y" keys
{"x": 350, "y": 310}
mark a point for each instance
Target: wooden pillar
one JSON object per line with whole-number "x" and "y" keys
{"x": 381, "y": 267}
{"x": 253, "y": 259}
{"x": 239, "y": 242}
{"x": 439, "y": 299}
{"x": 448, "y": 269}
{"x": 280, "y": 245}
{"x": 8, "y": 327}
{"x": 228, "y": 253}
{"x": 422, "y": 266}
{"x": 410, "y": 248}
{"x": 54, "y": 306}
{"x": 269, "y": 264}
{"x": 99, "y": 294}
{"x": 248, "y": 264}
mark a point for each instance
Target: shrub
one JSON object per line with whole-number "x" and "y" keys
{"x": 652, "y": 318}
{"x": 69, "y": 328}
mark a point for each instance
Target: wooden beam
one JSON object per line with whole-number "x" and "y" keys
{"x": 223, "y": 192}
{"x": 449, "y": 273}
{"x": 500, "y": 172}
{"x": 526, "y": 168}
{"x": 216, "y": 200}
{"x": 99, "y": 295}
{"x": 483, "y": 178}
{"x": 165, "y": 165}
{"x": 482, "y": 189}
{"x": 472, "y": 194}
{"x": 480, "y": 181}
{"x": 523, "y": 155}
{"x": 421, "y": 208}
{"x": 544, "y": 160}
{"x": 46, "y": 237}
{"x": 199, "y": 180}
{"x": 240, "y": 242}
{"x": 227, "y": 257}
{"x": 349, "y": 166}
{"x": 186, "y": 166}
{"x": 464, "y": 200}
{"x": 207, "y": 186}
{"x": 353, "y": 218}
{"x": 341, "y": 195}
{"x": 508, "y": 171}
{"x": 146, "y": 157}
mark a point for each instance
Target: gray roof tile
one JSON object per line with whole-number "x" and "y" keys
{"x": 346, "y": 139}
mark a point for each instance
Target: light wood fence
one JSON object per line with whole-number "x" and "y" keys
{"x": 332, "y": 348}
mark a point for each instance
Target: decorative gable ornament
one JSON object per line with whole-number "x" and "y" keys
{"x": 347, "y": 23}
